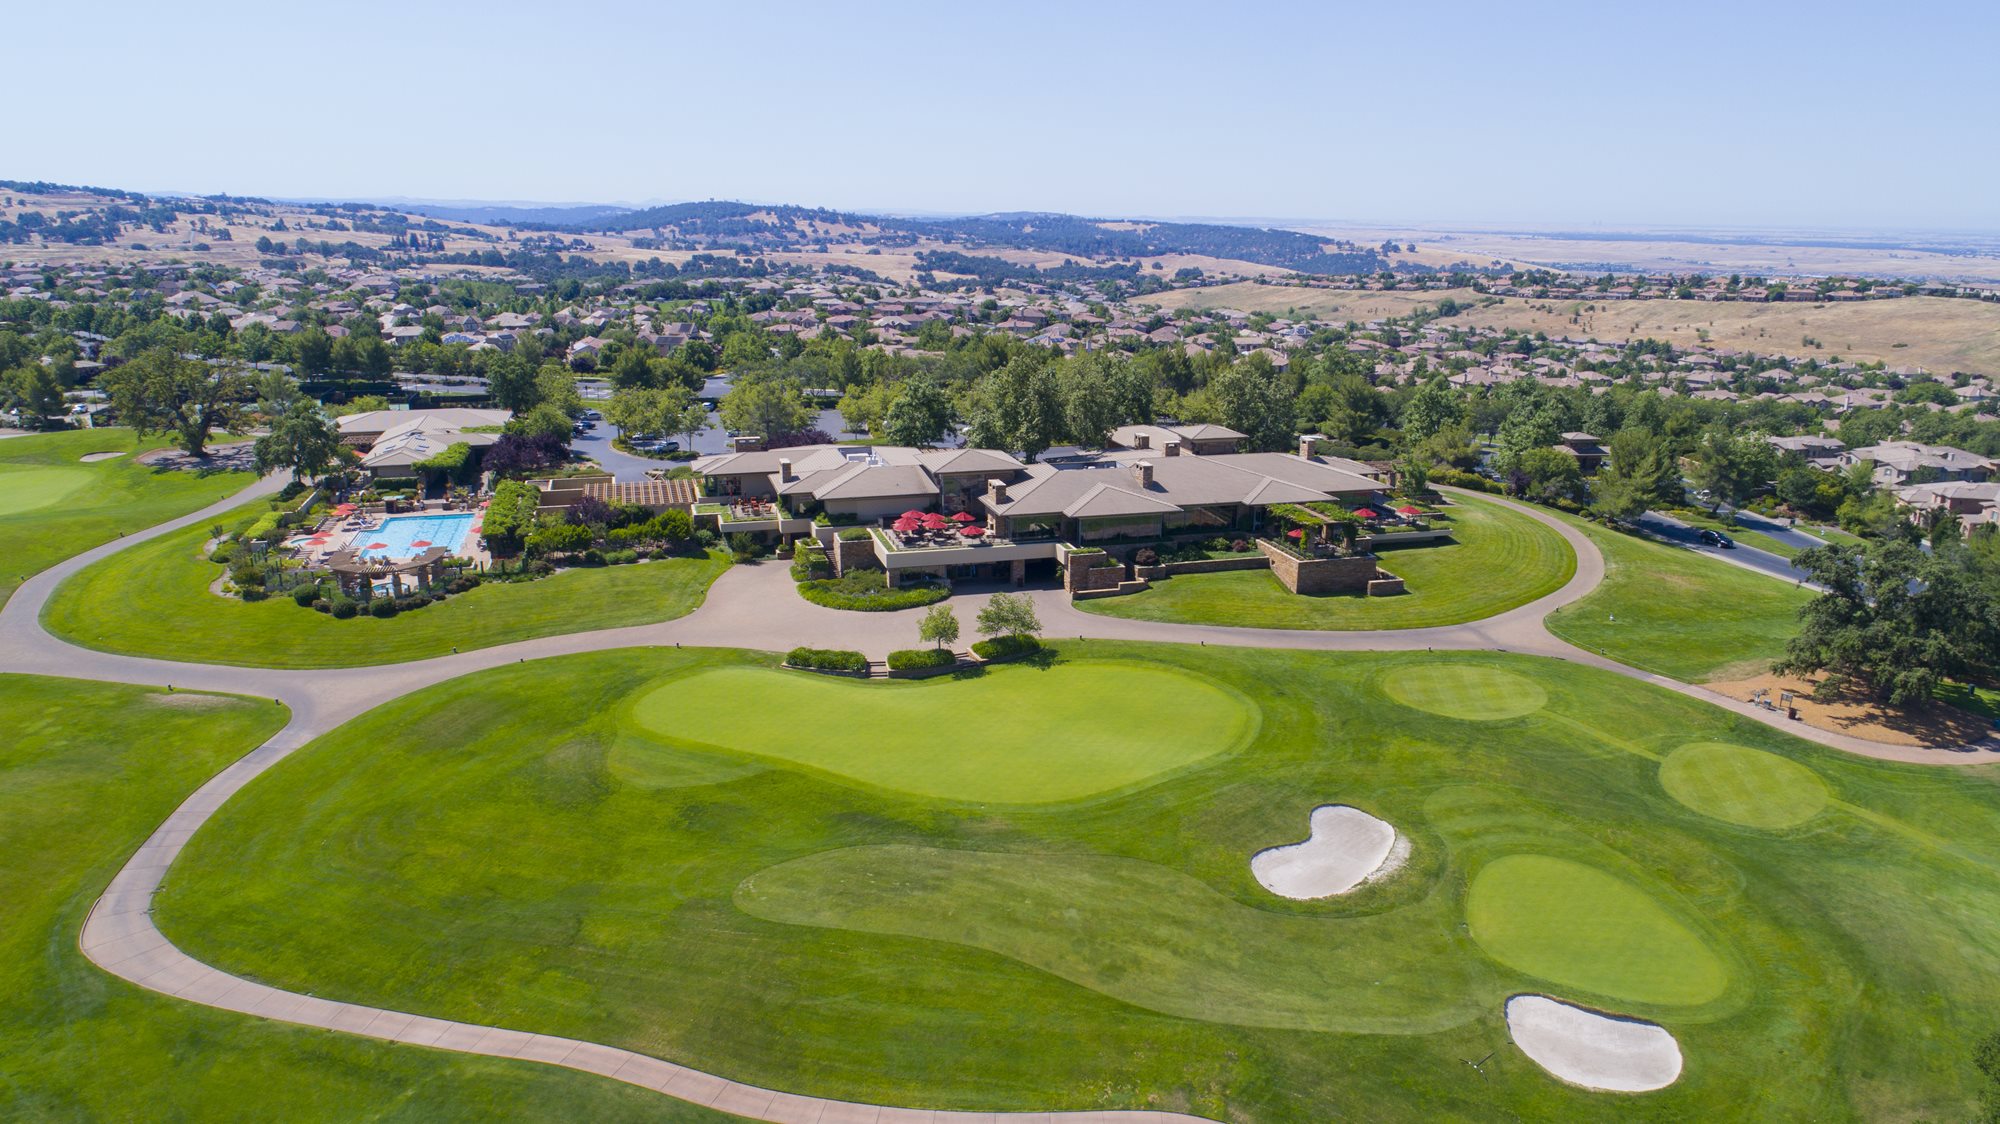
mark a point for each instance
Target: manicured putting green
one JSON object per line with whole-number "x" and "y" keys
{"x": 1581, "y": 927}
{"x": 1743, "y": 786}
{"x": 30, "y": 489}
{"x": 1014, "y": 735}
{"x": 1468, "y": 691}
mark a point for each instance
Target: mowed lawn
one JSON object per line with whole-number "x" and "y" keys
{"x": 761, "y": 911}
{"x": 1678, "y": 612}
{"x": 1499, "y": 559}
{"x": 86, "y": 771}
{"x": 1007, "y": 738}
{"x": 53, "y": 505}
{"x": 155, "y": 600}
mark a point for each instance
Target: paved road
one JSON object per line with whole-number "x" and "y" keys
{"x": 1749, "y": 557}
{"x": 748, "y": 607}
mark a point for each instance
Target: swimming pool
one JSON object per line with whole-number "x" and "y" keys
{"x": 410, "y": 535}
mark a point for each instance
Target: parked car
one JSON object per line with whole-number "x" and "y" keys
{"x": 1717, "y": 538}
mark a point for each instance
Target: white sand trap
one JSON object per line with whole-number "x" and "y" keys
{"x": 93, "y": 458}
{"x": 1345, "y": 848}
{"x": 1611, "y": 1055}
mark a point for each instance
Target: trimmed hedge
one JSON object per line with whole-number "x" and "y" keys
{"x": 851, "y": 534}
{"x": 827, "y": 659}
{"x": 867, "y": 596}
{"x": 1470, "y": 481}
{"x": 914, "y": 659}
{"x": 1006, "y": 647}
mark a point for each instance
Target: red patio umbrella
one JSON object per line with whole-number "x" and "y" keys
{"x": 913, "y": 513}
{"x": 972, "y": 531}
{"x": 1409, "y": 509}
{"x": 964, "y": 517}
{"x": 936, "y": 522}
{"x": 1365, "y": 512}
{"x": 376, "y": 546}
{"x": 904, "y": 526}
{"x": 1296, "y": 533}
{"x": 420, "y": 542}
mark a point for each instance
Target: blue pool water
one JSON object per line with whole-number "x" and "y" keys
{"x": 398, "y": 534}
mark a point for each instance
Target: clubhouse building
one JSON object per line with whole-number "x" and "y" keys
{"x": 1148, "y": 484}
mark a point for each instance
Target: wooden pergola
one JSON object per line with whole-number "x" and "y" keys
{"x": 356, "y": 574}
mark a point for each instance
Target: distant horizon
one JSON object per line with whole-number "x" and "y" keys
{"x": 1482, "y": 226}
{"x": 1550, "y": 115}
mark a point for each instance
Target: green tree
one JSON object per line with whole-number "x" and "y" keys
{"x": 939, "y": 625}
{"x": 34, "y": 391}
{"x": 1009, "y": 614}
{"x": 1434, "y": 406}
{"x": 513, "y": 383}
{"x": 1090, "y": 400}
{"x": 672, "y": 409}
{"x": 1730, "y": 466}
{"x": 863, "y": 408}
{"x": 920, "y": 415}
{"x": 161, "y": 392}
{"x": 1549, "y": 475}
{"x": 555, "y": 386}
{"x": 1250, "y": 397}
{"x": 312, "y": 351}
{"x": 301, "y": 438}
{"x": 1895, "y": 620}
{"x": 767, "y": 405}
{"x": 1019, "y": 408}
{"x": 544, "y": 421}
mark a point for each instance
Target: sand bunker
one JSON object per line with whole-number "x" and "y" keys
{"x": 93, "y": 458}
{"x": 1601, "y": 1052}
{"x": 1345, "y": 848}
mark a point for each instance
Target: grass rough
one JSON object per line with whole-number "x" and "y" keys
{"x": 53, "y": 506}
{"x": 86, "y": 772}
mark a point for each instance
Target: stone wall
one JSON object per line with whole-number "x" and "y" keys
{"x": 1080, "y": 577}
{"x": 1350, "y": 573}
{"x": 1204, "y": 566}
{"x": 853, "y": 554}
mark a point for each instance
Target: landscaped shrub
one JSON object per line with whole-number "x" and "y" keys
{"x": 851, "y": 534}
{"x": 306, "y": 594}
{"x": 827, "y": 659}
{"x": 1459, "y": 478}
{"x": 1145, "y": 556}
{"x": 809, "y": 562}
{"x": 247, "y": 575}
{"x": 558, "y": 538}
{"x": 912, "y": 659}
{"x": 1240, "y": 545}
{"x": 343, "y": 608}
{"x": 863, "y": 591}
{"x": 621, "y": 557}
{"x": 1006, "y": 647}
{"x": 510, "y": 516}
{"x": 382, "y": 607}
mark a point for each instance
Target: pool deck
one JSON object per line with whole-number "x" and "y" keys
{"x": 356, "y": 532}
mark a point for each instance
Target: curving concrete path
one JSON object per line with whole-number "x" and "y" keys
{"x": 748, "y": 607}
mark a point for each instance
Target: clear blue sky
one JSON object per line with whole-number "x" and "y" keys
{"x": 1864, "y": 115}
